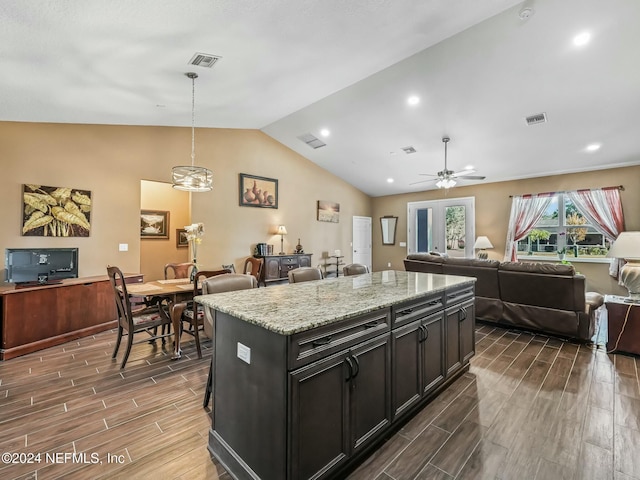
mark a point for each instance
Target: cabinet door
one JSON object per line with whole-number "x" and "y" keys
{"x": 467, "y": 331}
{"x": 433, "y": 369}
{"x": 304, "y": 260}
{"x": 370, "y": 390}
{"x": 453, "y": 360}
{"x": 271, "y": 269}
{"x": 318, "y": 441}
{"x": 406, "y": 376}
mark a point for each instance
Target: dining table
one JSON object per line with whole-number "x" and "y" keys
{"x": 177, "y": 292}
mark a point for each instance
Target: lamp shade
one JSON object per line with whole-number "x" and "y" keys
{"x": 282, "y": 230}
{"x": 482, "y": 242}
{"x": 626, "y": 246}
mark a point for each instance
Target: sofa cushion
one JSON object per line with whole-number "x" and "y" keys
{"x": 543, "y": 268}
{"x": 423, "y": 262}
{"x": 426, "y": 257}
{"x": 486, "y": 271}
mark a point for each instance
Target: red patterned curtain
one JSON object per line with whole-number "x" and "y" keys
{"x": 526, "y": 210}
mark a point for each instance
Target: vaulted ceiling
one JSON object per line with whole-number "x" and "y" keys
{"x": 296, "y": 67}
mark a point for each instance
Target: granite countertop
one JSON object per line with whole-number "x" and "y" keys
{"x": 292, "y": 308}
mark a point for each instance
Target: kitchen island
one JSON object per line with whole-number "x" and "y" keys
{"x": 309, "y": 377}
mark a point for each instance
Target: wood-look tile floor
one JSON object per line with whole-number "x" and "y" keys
{"x": 531, "y": 407}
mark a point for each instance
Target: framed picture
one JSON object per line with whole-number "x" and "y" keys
{"x": 328, "y": 211}
{"x": 181, "y": 238}
{"x": 55, "y": 211}
{"x": 154, "y": 224}
{"x": 258, "y": 191}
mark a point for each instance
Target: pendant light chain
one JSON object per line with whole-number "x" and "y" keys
{"x": 193, "y": 118}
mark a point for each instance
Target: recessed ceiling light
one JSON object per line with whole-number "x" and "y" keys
{"x": 413, "y": 100}
{"x": 389, "y": 180}
{"x": 593, "y": 147}
{"x": 581, "y": 39}
{"x": 325, "y": 132}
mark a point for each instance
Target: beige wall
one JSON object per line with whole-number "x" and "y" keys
{"x": 155, "y": 253}
{"x": 111, "y": 161}
{"x": 493, "y": 206}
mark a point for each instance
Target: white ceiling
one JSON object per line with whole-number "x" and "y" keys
{"x": 291, "y": 67}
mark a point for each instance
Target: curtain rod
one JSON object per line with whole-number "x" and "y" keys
{"x": 619, "y": 187}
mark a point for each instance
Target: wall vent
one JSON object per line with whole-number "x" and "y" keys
{"x": 312, "y": 141}
{"x": 537, "y": 118}
{"x": 205, "y": 60}
{"x": 408, "y": 150}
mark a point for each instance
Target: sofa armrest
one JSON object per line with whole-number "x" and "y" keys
{"x": 593, "y": 301}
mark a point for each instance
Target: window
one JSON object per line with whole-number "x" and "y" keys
{"x": 568, "y": 233}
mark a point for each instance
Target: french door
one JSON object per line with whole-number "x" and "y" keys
{"x": 444, "y": 226}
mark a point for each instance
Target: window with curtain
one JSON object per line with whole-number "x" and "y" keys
{"x": 580, "y": 223}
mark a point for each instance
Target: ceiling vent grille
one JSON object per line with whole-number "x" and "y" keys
{"x": 408, "y": 150}
{"x": 537, "y": 118}
{"x": 312, "y": 141}
{"x": 205, "y": 60}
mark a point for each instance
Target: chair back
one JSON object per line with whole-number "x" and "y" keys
{"x": 253, "y": 266}
{"x": 202, "y": 275}
{"x": 304, "y": 274}
{"x": 354, "y": 269}
{"x": 123, "y": 304}
{"x": 227, "y": 282}
{"x": 180, "y": 270}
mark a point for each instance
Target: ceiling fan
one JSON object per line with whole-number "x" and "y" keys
{"x": 447, "y": 178}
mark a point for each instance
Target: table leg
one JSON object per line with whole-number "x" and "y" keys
{"x": 176, "y": 310}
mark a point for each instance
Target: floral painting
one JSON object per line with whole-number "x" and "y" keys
{"x": 328, "y": 211}
{"x": 55, "y": 211}
{"x": 154, "y": 224}
{"x": 258, "y": 191}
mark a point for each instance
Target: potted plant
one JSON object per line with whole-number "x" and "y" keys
{"x": 561, "y": 253}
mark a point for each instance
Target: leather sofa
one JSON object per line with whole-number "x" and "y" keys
{"x": 544, "y": 297}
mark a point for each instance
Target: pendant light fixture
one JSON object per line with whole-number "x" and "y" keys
{"x": 191, "y": 178}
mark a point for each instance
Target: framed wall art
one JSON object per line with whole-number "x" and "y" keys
{"x": 154, "y": 224}
{"x": 259, "y": 192}
{"x": 181, "y": 238}
{"x": 328, "y": 211}
{"x": 55, "y": 211}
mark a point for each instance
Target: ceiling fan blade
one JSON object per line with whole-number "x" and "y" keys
{"x": 471, "y": 177}
{"x": 463, "y": 172}
{"x": 428, "y": 174}
{"x": 424, "y": 181}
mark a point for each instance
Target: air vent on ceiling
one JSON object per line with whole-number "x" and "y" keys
{"x": 312, "y": 141}
{"x": 537, "y": 118}
{"x": 409, "y": 150}
{"x": 205, "y": 60}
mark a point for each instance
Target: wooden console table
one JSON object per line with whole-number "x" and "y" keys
{"x": 38, "y": 317}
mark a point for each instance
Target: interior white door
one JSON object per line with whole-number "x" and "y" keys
{"x": 445, "y": 226}
{"x": 361, "y": 251}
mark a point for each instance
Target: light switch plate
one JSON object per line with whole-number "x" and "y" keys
{"x": 123, "y": 247}
{"x": 403, "y": 244}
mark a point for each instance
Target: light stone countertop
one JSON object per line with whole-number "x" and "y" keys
{"x": 292, "y": 308}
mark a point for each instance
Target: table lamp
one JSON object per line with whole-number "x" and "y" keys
{"x": 481, "y": 244}
{"x": 627, "y": 246}
{"x": 282, "y": 231}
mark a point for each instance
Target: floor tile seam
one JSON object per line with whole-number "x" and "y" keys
{"x": 482, "y": 436}
{"x": 141, "y": 416}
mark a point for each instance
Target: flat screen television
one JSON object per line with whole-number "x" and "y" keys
{"x": 40, "y": 265}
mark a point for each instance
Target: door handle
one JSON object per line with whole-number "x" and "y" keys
{"x": 357, "y": 364}
{"x": 372, "y": 324}
{"x": 322, "y": 341}
{"x": 462, "y": 314}
{"x": 350, "y": 368}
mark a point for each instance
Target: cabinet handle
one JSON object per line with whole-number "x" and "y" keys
{"x": 322, "y": 341}
{"x": 433, "y": 303}
{"x": 406, "y": 311}
{"x": 462, "y": 314}
{"x": 426, "y": 333}
{"x": 350, "y": 367}
{"x": 423, "y": 333}
{"x": 357, "y": 362}
{"x": 372, "y": 324}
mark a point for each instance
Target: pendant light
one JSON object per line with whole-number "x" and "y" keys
{"x": 191, "y": 178}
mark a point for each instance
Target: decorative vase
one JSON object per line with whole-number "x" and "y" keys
{"x": 194, "y": 270}
{"x": 561, "y": 256}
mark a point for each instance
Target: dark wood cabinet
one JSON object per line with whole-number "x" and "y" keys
{"x": 459, "y": 329}
{"x": 276, "y": 267}
{"x": 33, "y": 318}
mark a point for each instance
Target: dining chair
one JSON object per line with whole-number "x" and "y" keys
{"x": 305, "y": 274}
{"x": 133, "y": 317}
{"x": 180, "y": 270}
{"x": 354, "y": 269}
{"x": 253, "y": 266}
{"x": 193, "y": 314}
{"x": 218, "y": 284}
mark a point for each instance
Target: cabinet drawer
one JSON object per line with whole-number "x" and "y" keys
{"x": 312, "y": 345}
{"x": 457, "y": 296}
{"x": 406, "y": 312}
{"x": 288, "y": 261}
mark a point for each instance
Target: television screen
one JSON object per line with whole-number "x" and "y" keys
{"x": 40, "y": 265}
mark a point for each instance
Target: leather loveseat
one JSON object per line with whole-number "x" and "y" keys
{"x": 545, "y": 297}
